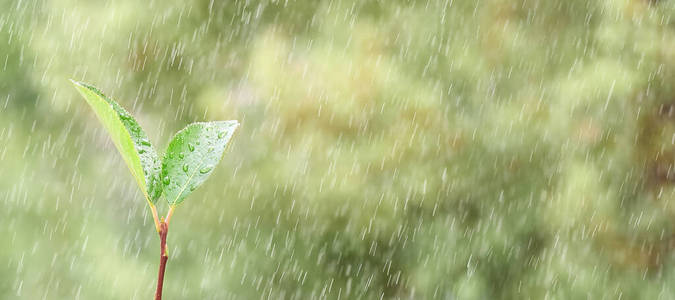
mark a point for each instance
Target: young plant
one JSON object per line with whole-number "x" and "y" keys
{"x": 189, "y": 159}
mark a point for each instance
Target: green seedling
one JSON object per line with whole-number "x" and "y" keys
{"x": 189, "y": 159}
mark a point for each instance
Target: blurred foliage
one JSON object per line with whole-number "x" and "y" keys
{"x": 388, "y": 149}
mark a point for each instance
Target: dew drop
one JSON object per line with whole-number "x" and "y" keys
{"x": 181, "y": 155}
{"x": 192, "y": 148}
{"x": 205, "y": 170}
{"x": 221, "y": 134}
{"x": 185, "y": 168}
{"x": 166, "y": 180}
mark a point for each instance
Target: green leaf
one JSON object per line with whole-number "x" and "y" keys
{"x": 129, "y": 138}
{"x": 192, "y": 155}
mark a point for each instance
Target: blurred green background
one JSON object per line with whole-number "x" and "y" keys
{"x": 450, "y": 149}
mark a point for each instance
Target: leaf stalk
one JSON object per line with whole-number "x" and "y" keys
{"x": 155, "y": 216}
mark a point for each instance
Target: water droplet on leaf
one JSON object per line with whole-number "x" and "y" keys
{"x": 192, "y": 148}
{"x": 166, "y": 180}
{"x": 185, "y": 168}
{"x": 205, "y": 170}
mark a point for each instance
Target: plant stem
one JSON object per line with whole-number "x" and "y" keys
{"x": 163, "y": 230}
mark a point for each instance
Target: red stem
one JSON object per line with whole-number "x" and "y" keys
{"x": 163, "y": 231}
